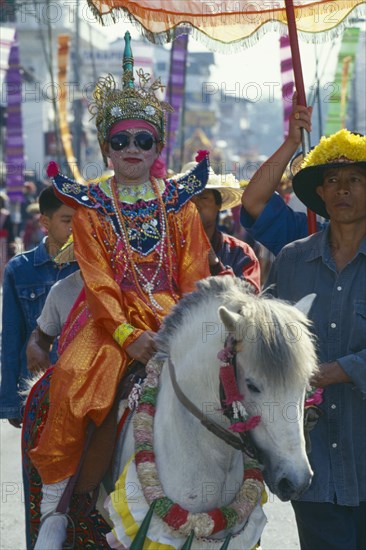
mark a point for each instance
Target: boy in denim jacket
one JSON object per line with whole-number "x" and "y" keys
{"x": 28, "y": 278}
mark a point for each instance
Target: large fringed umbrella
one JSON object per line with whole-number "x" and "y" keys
{"x": 224, "y": 24}
{"x": 228, "y": 25}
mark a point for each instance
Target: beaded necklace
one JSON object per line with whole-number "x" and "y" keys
{"x": 144, "y": 286}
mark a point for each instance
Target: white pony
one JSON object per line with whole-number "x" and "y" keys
{"x": 184, "y": 462}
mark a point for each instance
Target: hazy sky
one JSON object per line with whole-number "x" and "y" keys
{"x": 261, "y": 64}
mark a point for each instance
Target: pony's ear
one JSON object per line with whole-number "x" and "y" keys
{"x": 230, "y": 319}
{"x": 305, "y": 303}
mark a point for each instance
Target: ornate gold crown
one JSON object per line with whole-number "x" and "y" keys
{"x": 111, "y": 104}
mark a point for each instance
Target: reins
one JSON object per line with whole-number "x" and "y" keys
{"x": 210, "y": 425}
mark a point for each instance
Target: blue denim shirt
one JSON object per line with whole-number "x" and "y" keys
{"x": 28, "y": 278}
{"x": 339, "y": 323}
{"x": 277, "y": 225}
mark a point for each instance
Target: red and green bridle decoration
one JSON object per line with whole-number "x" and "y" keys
{"x": 234, "y": 408}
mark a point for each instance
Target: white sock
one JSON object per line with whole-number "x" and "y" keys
{"x": 52, "y": 533}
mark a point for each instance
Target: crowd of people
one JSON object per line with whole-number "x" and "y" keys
{"x": 140, "y": 241}
{"x": 20, "y": 225}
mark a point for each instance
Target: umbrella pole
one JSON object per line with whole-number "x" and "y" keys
{"x": 300, "y": 88}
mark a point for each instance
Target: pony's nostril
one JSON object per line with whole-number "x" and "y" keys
{"x": 285, "y": 489}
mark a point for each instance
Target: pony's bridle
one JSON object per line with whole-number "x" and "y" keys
{"x": 241, "y": 443}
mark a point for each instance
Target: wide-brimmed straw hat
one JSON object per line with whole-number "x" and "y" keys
{"x": 227, "y": 185}
{"x": 340, "y": 150}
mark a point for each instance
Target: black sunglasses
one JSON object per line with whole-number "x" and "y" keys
{"x": 142, "y": 140}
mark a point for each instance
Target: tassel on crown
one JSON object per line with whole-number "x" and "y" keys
{"x": 112, "y": 104}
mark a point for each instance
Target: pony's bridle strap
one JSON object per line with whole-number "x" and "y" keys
{"x": 211, "y": 425}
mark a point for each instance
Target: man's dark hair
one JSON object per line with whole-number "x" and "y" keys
{"x": 48, "y": 202}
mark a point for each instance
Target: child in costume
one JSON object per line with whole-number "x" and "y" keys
{"x": 140, "y": 245}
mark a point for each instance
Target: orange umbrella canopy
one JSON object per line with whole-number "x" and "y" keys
{"x": 224, "y": 21}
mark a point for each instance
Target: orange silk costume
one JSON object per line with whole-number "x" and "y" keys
{"x": 117, "y": 309}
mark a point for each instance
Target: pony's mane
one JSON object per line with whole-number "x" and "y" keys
{"x": 223, "y": 289}
{"x": 283, "y": 349}
{"x": 276, "y": 337}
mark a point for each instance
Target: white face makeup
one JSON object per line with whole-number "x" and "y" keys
{"x": 133, "y": 152}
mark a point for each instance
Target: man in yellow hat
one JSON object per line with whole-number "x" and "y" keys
{"x": 332, "y": 264}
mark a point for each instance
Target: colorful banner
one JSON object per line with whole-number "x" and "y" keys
{"x": 175, "y": 94}
{"x": 339, "y": 91}
{"x": 222, "y": 22}
{"x": 287, "y": 77}
{"x": 6, "y": 40}
{"x": 14, "y": 146}
{"x": 62, "y": 59}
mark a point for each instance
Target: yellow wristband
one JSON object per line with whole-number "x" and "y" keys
{"x": 122, "y": 332}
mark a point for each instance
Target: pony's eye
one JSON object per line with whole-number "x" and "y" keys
{"x": 251, "y": 387}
